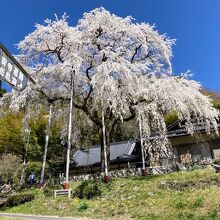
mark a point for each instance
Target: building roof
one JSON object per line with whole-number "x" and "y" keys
{"x": 91, "y": 156}
{"x": 178, "y": 128}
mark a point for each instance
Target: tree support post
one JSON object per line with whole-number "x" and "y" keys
{"x": 22, "y": 180}
{"x": 143, "y": 171}
{"x": 106, "y": 176}
{"x": 25, "y": 160}
{"x": 66, "y": 184}
{"x": 46, "y": 146}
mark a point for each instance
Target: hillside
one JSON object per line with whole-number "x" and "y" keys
{"x": 181, "y": 195}
{"x": 213, "y": 94}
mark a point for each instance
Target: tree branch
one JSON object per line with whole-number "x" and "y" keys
{"x": 136, "y": 50}
{"x": 132, "y": 110}
{"x": 87, "y": 71}
{"x": 132, "y": 114}
{"x": 88, "y": 96}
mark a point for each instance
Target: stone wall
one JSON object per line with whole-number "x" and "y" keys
{"x": 137, "y": 171}
{"x": 126, "y": 173}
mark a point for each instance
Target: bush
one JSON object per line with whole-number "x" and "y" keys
{"x": 18, "y": 199}
{"x": 48, "y": 192}
{"x": 82, "y": 206}
{"x": 89, "y": 190}
{"x": 8, "y": 165}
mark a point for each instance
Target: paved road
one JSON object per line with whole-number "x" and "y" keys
{"x": 38, "y": 217}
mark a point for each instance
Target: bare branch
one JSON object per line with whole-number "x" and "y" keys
{"x": 136, "y": 50}
{"x": 132, "y": 114}
{"x": 87, "y": 71}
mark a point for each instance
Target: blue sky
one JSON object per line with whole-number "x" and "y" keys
{"x": 194, "y": 23}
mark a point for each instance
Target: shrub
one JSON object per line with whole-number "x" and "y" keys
{"x": 82, "y": 206}
{"x": 180, "y": 204}
{"x": 20, "y": 198}
{"x": 89, "y": 190}
{"x": 8, "y": 165}
{"x": 48, "y": 192}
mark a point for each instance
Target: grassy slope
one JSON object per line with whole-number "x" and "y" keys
{"x": 141, "y": 198}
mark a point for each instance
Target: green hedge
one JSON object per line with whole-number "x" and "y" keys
{"x": 18, "y": 199}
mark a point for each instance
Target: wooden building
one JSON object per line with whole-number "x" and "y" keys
{"x": 187, "y": 149}
{"x": 200, "y": 147}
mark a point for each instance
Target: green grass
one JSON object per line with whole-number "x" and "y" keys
{"x": 180, "y": 195}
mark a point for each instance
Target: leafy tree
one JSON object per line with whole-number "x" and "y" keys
{"x": 32, "y": 166}
{"x": 11, "y": 140}
{"x": 10, "y": 134}
{"x": 8, "y": 165}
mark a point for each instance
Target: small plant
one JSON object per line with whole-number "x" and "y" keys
{"x": 180, "y": 205}
{"x": 213, "y": 214}
{"x": 48, "y": 192}
{"x": 19, "y": 199}
{"x": 198, "y": 202}
{"x": 190, "y": 215}
{"x": 88, "y": 190}
{"x": 82, "y": 206}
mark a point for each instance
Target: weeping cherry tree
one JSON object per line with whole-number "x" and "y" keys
{"x": 122, "y": 70}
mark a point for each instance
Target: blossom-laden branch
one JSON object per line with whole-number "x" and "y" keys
{"x": 121, "y": 66}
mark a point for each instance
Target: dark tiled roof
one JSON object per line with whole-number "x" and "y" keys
{"x": 92, "y": 155}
